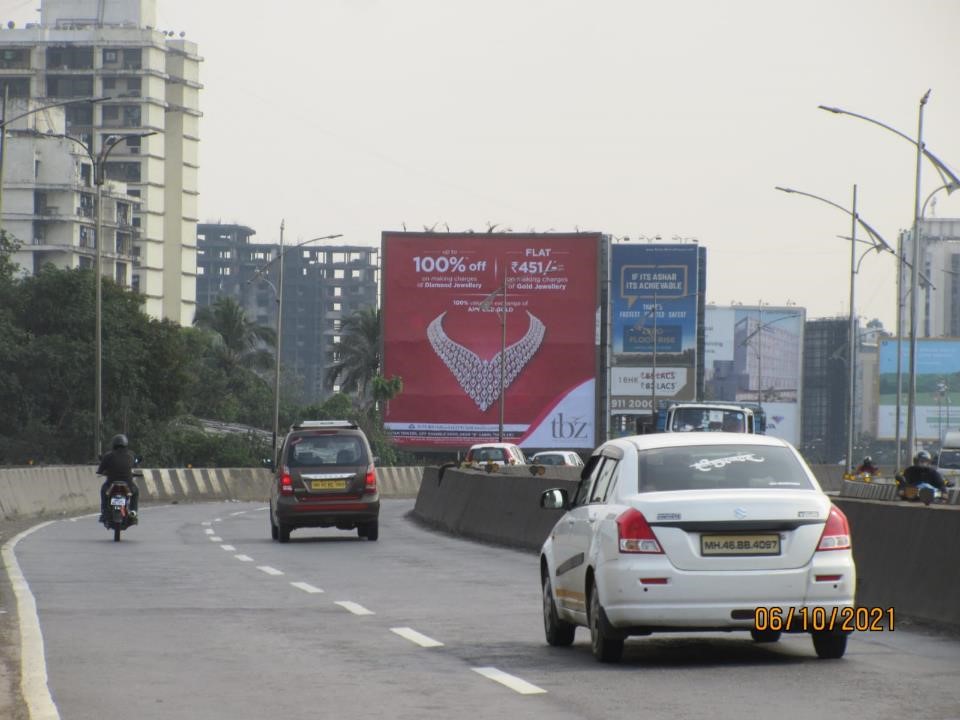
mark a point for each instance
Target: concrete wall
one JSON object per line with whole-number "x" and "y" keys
{"x": 47, "y": 491}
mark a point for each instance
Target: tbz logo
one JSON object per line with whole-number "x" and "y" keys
{"x": 566, "y": 428}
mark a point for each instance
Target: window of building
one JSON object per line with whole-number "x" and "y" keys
{"x": 201, "y": 270}
{"x": 336, "y": 339}
{"x": 110, "y": 56}
{"x": 338, "y": 274}
{"x": 69, "y": 86}
{"x": 121, "y": 273}
{"x": 123, "y": 171}
{"x": 11, "y": 59}
{"x": 15, "y": 87}
{"x": 132, "y": 58}
{"x": 337, "y": 291}
{"x": 337, "y": 307}
{"x": 109, "y": 83}
{"x": 135, "y": 283}
{"x": 85, "y": 263}
{"x": 355, "y": 274}
{"x": 338, "y": 257}
{"x": 225, "y": 254}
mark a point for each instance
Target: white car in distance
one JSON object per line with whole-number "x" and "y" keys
{"x": 691, "y": 532}
{"x": 557, "y": 457}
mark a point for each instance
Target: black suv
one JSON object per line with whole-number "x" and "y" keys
{"x": 325, "y": 477}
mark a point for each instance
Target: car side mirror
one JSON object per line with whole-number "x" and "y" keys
{"x": 554, "y": 499}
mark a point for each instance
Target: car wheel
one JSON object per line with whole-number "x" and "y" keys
{"x": 829, "y": 645}
{"x": 607, "y": 648}
{"x": 372, "y": 530}
{"x": 274, "y": 530}
{"x": 925, "y": 495}
{"x": 765, "y": 636}
{"x": 283, "y": 533}
{"x": 559, "y": 632}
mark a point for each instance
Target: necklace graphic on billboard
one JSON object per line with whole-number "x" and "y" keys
{"x": 479, "y": 378}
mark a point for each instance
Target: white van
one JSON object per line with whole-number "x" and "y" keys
{"x": 948, "y": 459}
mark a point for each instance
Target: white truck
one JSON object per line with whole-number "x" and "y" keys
{"x": 711, "y": 416}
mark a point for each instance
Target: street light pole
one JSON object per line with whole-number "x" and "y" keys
{"x": 877, "y": 243}
{"x": 276, "y": 364}
{"x": 914, "y": 290}
{"x": 503, "y": 353}
{"x": 852, "y": 331}
{"x": 278, "y": 296}
{"x": 951, "y": 183}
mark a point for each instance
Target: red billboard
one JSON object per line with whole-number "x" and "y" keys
{"x": 455, "y": 305}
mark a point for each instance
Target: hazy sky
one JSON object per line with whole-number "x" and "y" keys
{"x": 630, "y": 117}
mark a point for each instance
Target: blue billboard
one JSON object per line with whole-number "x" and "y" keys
{"x": 653, "y": 325}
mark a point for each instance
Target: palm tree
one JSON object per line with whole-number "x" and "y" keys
{"x": 359, "y": 361}
{"x": 240, "y": 341}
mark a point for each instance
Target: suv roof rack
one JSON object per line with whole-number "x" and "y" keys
{"x": 306, "y": 424}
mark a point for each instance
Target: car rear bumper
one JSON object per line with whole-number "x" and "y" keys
{"x": 649, "y": 592}
{"x": 326, "y": 512}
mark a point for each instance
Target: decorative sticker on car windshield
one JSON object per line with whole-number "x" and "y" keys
{"x": 706, "y": 465}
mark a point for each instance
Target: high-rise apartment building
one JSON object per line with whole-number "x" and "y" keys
{"x": 322, "y": 286}
{"x": 150, "y": 81}
{"x": 825, "y": 383}
{"x": 938, "y": 303}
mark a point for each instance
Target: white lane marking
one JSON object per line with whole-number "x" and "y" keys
{"x": 244, "y": 558}
{"x": 208, "y": 531}
{"x": 242, "y": 512}
{"x": 217, "y": 520}
{"x": 306, "y": 587}
{"x": 353, "y": 607}
{"x": 228, "y": 548}
{"x": 269, "y": 570}
{"x": 415, "y": 637}
{"x": 206, "y": 524}
{"x": 214, "y": 538}
{"x": 511, "y": 681}
{"x": 33, "y": 663}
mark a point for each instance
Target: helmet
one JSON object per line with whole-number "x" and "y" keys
{"x": 922, "y": 456}
{"x": 868, "y": 460}
{"x": 119, "y": 441}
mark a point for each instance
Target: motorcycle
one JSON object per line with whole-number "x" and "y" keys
{"x": 923, "y": 492}
{"x": 119, "y": 516}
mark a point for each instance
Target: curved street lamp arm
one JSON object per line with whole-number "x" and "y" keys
{"x": 5, "y": 122}
{"x": 878, "y": 240}
{"x": 263, "y": 268}
{"x": 949, "y": 178}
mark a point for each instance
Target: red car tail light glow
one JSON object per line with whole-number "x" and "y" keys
{"x": 370, "y": 485}
{"x": 636, "y": 535}
{"x": 836, "y": 533}
{"x": 286, "y": 482}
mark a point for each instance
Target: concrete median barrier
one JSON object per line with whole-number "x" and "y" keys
{"x": 39, "y": 492}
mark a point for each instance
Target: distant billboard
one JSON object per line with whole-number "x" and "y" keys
{"x": 653, "y": 325}
{"x": 937, "y": 399}
{"x": 444, "y": 335}
{"x": 755, "y": 354}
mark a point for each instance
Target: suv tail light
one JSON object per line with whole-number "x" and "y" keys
{"x": 286, "y": 482}
{"x": 370, "y": 484}
{"x": 836, "y": 533}
{"x": 636, "y": 535}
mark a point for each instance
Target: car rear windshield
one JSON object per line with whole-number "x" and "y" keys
{"x": 687, "y": 419}
{"x": 949, "y": 459}
{"x": 713, "y": 467}
{"x": 312, "y": 450}
{"x": 494, "y": 454}
{"x": 553, "y": 459}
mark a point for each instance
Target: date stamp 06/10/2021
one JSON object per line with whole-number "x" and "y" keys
{"x": 824, "y": 619}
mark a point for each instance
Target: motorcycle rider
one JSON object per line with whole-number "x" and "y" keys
{"x": 867, "y": 467}
{"x": 924, "y": 477}
{"x": 117, "y": 465}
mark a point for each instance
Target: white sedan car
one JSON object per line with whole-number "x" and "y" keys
{"x": 557, "y": 457}
{"x": 689, "y": 532}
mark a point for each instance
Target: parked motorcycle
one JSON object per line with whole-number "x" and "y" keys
{"x": 119, "y": 516}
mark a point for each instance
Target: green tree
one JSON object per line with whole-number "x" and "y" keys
{"x": 359, "y": 361}
{"x": 240, "y": 340}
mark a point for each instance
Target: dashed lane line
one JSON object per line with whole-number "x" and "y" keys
{"x": 353, "y": 607}
{"x": 306, "y": 587}
{"x": 269, "y": 570}
{"x": 216, "y": 539}
{"x": 208, "y": 531}
{"x": 228, "y": 548}
{"x": 415, "y": 637}
{"x": 244, "y": 558}
{"x": 511, "y": 681}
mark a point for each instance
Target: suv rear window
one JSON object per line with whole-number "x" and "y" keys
{"x": 712, "y": 467}
{"x": 310, "y": 450}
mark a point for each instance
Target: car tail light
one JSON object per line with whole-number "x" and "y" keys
{"x": 286, "y": 482}
{"x": 636, "y": 535}
{"x": 370, "y": 485}
{"x": 836, "y": 533}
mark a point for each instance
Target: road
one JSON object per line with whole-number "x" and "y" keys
{"x": 196, "y": 613}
